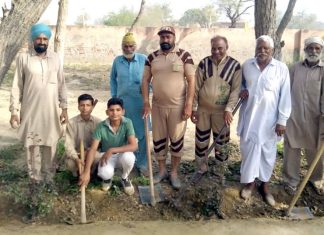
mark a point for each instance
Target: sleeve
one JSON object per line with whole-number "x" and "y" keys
{"x": 235, "y": 90}
{"x": 16, "y": 95}
{"x": 62, "y": 92}
{"x": 284, "y": 106}
{"x": 189, "y": 68}
{"x": 113, "y": 80}
{"x": 70, "y": 144}
{"x": 147, "y": 67}
{"x": 130, "y": 128}
{"x": 199, "y": 82}
{"x": 322, "y": 91}
{"x": 97, "y": 133}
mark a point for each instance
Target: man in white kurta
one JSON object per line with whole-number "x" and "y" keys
{"x": 39, "y": 88}
{"x": 263, "y": 116}
{"x": 303, "y": 132}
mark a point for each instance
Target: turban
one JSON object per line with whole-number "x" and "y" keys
{"x": 311, "y": 40}
{"x": 129, "y": 39}
{"x": 38, "y": 29}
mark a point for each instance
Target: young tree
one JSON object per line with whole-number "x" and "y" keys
{"x": 124, "y": 17}
{"x": 234, "y": 9}
{"x": 138, "y": 16}
{"x": 265, "y": 17}
{"x": 61, "y": 28}
{"x": 15, "y": 27}
{"x": 205, "y": 17}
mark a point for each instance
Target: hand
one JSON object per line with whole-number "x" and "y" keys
{"x": 244, "y": 94}
{"x": 64, "y": 116}
{"x": 105, "y": 157}
{"x": 146, "y": 109}
{"x": 187, "y": 111}
{"x": 84, "y": 178}
{"x": 280, "y": 130}
{"x": 194, "y": 117}
{"x": 80, "y": 165}
{"x": 228, "y": 118}
{"x": 14, "y": 121}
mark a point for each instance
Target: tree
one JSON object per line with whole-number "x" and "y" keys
{"x": 138, "y": 16}
{"x": 205, "y": 17}
{"x": 264, "y": 18}
{"x": 234, "y": 9}
{"x": 156, "y": 15}
{"x": 82, "y": 19}
{"x": 60, "y": 29}
{"x": 15, "y": 27}
{"x": 302, "y": 20}
{"x": 124, "y": 17}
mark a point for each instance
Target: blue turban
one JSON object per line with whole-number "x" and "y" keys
{"x": 38, "y": 29}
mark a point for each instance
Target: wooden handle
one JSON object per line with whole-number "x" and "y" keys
{"x": 149, "y": 161}
{"x": 83, "y": 200}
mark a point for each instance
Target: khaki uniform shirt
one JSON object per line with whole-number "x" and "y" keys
{"x": 39, "y": 86}
{"x": 169, "y": 72}
{"x": 78, "y": 129}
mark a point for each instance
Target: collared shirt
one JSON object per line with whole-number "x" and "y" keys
{"x": 269, "y": 101}
{"x": 169, "y": 72}
{"x": 307, "y": 99}
{"x": 217, "y": 86}
{"x": 77, "y": 129}
{"x": 126, "y": 76}
{"x": 39, "y": 86}
{"x": 108, "y": 138}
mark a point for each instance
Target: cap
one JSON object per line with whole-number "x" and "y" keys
{"x": 166, "y": 29}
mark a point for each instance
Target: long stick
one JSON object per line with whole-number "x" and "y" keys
{"x": 309, "y": 173}
{"x": 83, "y": 200}
{"x": 149, "y": 161}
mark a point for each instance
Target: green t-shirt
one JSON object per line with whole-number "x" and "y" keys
{"x": 108, "y": 138}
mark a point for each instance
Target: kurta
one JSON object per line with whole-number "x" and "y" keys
{"x": 307, "y": 99}
{"x": 125, "y": 83}
{"x": 268, "y": 104}
{"x": 269, "y": 101}
{"x": 39, "y": 86}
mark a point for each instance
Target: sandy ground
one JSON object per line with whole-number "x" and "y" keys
{"x": 232, "y": 226}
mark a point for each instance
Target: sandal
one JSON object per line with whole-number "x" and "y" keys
{"x": 197, "y": 176}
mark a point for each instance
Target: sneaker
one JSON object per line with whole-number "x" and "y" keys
{"x": 128, "y": 187}
{"x": 105, "y": 185}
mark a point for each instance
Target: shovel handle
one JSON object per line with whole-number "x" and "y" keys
{"x": 309, "y": 173}
{"x": 83, "y": 200}
{"x": 149, "y": 160}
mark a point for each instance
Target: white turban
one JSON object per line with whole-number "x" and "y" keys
{"x": 311, "y": 40}
{"x": 267, "y": 39}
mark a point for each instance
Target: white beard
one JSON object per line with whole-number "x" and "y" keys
{"x": 313, "y": 58}
{"x": 129, "y": 56}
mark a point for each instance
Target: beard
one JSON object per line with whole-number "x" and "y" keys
{"x": 312, "y": 57}
{"x": 129, "y": 56}
{"x": 40, "y": 48}
{"x": 165, "y": 46}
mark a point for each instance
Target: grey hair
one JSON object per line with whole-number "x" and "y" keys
{"x": 267, "y": 39}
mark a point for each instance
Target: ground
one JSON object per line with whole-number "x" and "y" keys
{"x": 215, "y": 201}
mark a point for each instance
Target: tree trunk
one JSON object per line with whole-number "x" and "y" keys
{"x": 265, "y": 21}
{"x": 138, "y": 16}
{"x": 15, "y": 27}
{"x": 61, "y": 29}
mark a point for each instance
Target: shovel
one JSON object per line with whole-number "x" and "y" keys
{"x": 83, "y": 200}
{"x": 304, "y": 212}
{"x": 150, "y": 195}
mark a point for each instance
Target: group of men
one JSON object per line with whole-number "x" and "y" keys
{"x": 276, "y": 103}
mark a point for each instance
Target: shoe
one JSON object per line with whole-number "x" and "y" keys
{"x": 143, "y": 171}
{"x": 246, "y": 193}
{"x": 128, "y": 187}
{"x": 158, "y": 178}
{"x": 318, "y": 189}
{"x": 197, "y": 176}
{"x": 290, "y": 190}
{"x": 106, "y": 185}
{"x": 269, "y": 199}
{"x": 175, "y": 182}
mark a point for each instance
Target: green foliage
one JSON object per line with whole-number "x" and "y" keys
{"x": 153, "y": 16}
{"x": 124, "y": 17}
{"x": 141, "y": 180}
{"x": 280, "y": 148}
{"x": 60, "y": 149}
{"x": 66, "y": 182}
{"x": 204, "y": 17}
